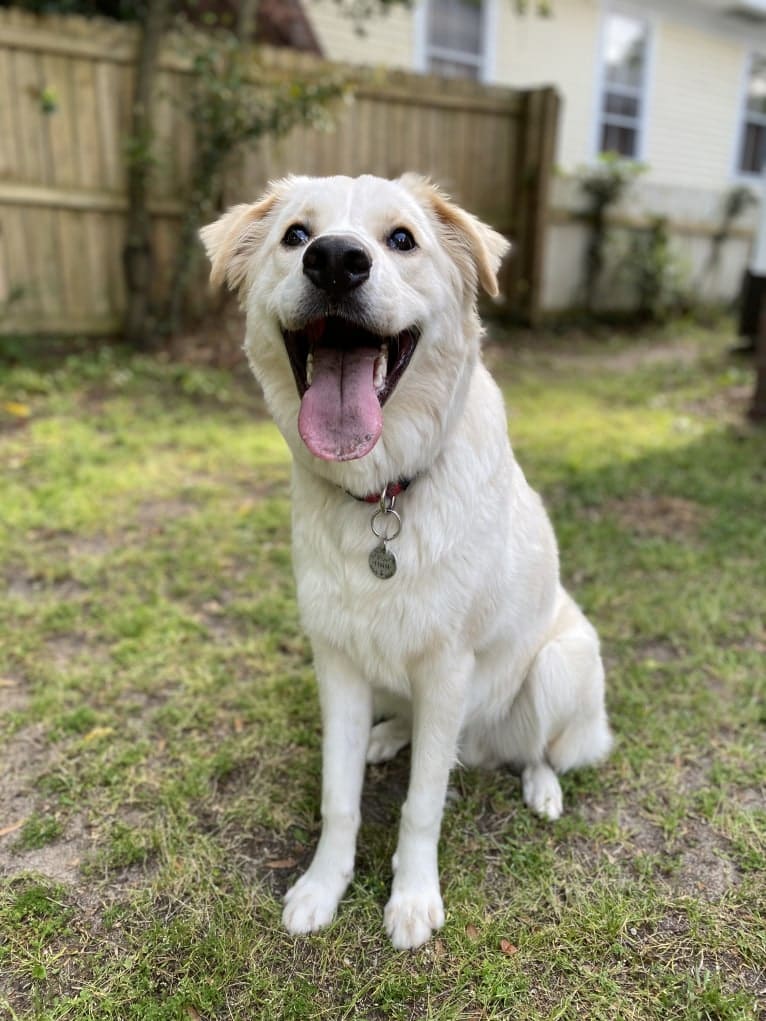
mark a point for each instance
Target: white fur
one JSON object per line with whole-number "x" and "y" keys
{"x": 474, "y": 647}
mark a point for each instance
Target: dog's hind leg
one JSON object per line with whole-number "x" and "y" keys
{"x": 558, "y": 721}
{"x": 541, "y": 790}
{"x": 388, "y": 738}
{"x": 394, "y": 729}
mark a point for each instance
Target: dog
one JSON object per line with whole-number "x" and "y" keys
{"x": 426, "y": 567}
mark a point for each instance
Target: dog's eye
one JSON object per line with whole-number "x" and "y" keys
{"x": 296, "y": 236}
{"x": 401, "y": 240}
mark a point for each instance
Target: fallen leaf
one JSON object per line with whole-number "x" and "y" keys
{"x": 439, "y": 949}
{"x": 97, "y": 733}
{"x": 239, "y": 724}
{"x": 282, "y": 863}
{"x": 17, "y": 409}
{"x": 12, "y": 828}
{"x": 472, "y": 932}
{"x": 193, "y": 1014}
{"x": 6, "y": 682}
{"x": 508, "y": 948}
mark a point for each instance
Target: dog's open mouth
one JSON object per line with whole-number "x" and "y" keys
{"x": 345, "y": 374}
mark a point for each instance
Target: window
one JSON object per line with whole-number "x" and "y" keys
{"x": 455, "y": 38}
{"x": 753, "y": 142}
{"x": 622, "y": 101}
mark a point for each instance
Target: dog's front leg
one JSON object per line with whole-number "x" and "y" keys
{"x": 346, "y": 701}
{"x": 438, "y": 698}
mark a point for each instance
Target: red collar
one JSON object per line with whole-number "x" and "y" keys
{"x": 392, "y": 489}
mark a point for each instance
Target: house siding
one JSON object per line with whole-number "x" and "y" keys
{"x": 693, "y": 124}
{"x": 387, "y": 40}
{"x": 561, "y": 51}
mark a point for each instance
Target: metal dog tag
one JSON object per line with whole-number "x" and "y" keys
{"x": 382, "y": 562}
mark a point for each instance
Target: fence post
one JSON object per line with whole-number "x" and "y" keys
{"x": 535, "y": 156}
{"x": 757, "y": 410}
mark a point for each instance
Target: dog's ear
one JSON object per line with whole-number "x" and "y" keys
{"x": 477, "y": 249}
{"x": 231, "y": 239}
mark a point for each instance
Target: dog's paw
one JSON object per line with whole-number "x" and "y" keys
{"x": 386, "y": 739}
{"x": 411, "y": 918}
{"x": 541, "y": 791}
{"x": 309, "y": 905}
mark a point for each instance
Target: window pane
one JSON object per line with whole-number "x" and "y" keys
{"x": 624, "y": 106}
{"x": 453, "y": 69}
{"x": 619, "y": 139}
{"x": 625, "y": 50}
{"x": 751, "y": 160}
{"x": 756, "y": 89}
{"x": 455, "y": 25}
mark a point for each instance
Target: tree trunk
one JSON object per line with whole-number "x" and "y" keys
{"x": 246, "y": 15}
{"x": 757, "y": 410}
{"x": 137, "y": 253}
{"x": 205, "y": 168}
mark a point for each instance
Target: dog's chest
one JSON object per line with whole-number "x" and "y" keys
{"x": 383, "y": 624}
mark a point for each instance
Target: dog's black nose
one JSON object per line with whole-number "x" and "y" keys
{"x": 337, "y": 264}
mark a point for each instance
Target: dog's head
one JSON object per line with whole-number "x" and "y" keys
{"x": 361, "y": 307}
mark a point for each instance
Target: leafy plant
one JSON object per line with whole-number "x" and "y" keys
{"x": 655, "y": 271}
{"x": 234, "y": 102}
{"x": 735, "y": 203}
{"x": 603, "y": 185}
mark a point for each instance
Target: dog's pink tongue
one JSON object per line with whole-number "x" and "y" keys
{"x": 340, "y": 417}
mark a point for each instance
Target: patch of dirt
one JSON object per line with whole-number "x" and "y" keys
{"x": 30, "y": 588}
{"x": 385, "y": 789}
{"x": 58, "y": 861}
{"x": 90, "y": 545}
{"x": 706, "y": 868}
{"x": 674, "y": 923}
{"x": 675, "y": 352}
{"x": 580, "y": 349}
{"x": 749, "y": 799}
{"x": 154, "y": 514}
{"x": 217, "y": 340}
{"x": 65, "y": 650}
{"x": 730, "y": 405}
{"x": 662, "y": 517}
{"x": 656, "y": 651}
{"x": 25, "y": 756}
{"x": 14, "y": 697}
{"x": 640, "y": 834}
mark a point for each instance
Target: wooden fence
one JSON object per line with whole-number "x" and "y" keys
{"x": 65, "y": 98}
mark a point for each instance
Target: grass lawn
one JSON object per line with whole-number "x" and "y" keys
{"x": 160, "y": 739}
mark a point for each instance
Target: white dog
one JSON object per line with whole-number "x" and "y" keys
{"x": 450, "y": 620}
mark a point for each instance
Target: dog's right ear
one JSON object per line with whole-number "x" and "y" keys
{"x": 230, "y": 240}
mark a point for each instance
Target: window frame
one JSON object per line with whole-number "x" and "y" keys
{"x": 483, "y": 61}
{"x": 640, "y": 123}
{"x": 743, "y": 118}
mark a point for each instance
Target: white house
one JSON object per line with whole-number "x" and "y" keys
{"x": 679, "y": 85}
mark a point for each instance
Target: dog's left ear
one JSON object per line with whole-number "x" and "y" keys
{"x": 477, "y": 248}
{"x": 230, "y": 240}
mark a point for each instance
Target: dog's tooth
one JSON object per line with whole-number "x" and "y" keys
{"x": 381, "y": 368}
{"x": 309, "y": 368}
